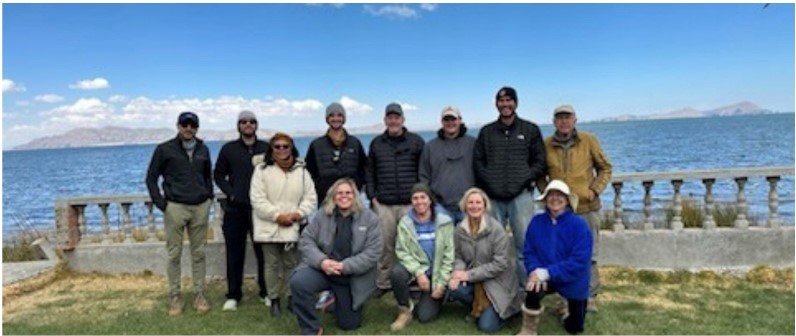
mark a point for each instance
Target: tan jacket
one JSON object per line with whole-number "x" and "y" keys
{"x": 275, "y": 192}
{"x": 582, "y": 167}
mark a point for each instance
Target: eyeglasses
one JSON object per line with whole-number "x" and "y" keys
{"x": 189, "y": 123}
{"x": 281, "y": 146}
{"x": 247, "y": 121}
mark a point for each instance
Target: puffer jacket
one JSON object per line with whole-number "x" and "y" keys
{"x": 576, "y": 166}
{"x": 490, "y": 258}
{"x": 275, "y": 192}
{"x": 326, "y": 167}
{"x": 411, "y": 255}
{"x": 509, "y": 159}
{"x": 393, "y": 167}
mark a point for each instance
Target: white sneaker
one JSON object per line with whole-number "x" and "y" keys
{"x": 230, "y": 305}
{"x": 266, "y": 300}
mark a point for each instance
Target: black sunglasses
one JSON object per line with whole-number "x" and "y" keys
{"x": 247, "y": 121}
{"x": 189, "y": 123}
{"x": 281, "y": 146}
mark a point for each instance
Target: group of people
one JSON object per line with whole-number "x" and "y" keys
{"x": 436, "y": 224}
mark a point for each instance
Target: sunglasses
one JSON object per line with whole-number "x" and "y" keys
{"x": 247, "y": 121}
{"x": 449, "y": 118}
{"x": 281, "y": 146}
{"x": 189, "y": 123}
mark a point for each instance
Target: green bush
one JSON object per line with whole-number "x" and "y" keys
{"x": 693, "y": 214}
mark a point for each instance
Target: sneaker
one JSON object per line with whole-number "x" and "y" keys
{"x": 230, "y": 305}
{"x": 200, "y": 303}
{"x": 265, "y": 300}
{"x": 591, "y": 305}
{"x": 175, "y": 305}
{"x": 326, "y": 299}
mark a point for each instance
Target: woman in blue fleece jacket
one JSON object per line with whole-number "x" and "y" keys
{"x": 557, "y": 254}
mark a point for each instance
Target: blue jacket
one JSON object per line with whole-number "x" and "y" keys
{"x": 562, "y": 246}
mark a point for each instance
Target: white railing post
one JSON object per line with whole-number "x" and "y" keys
{"x": 648, "y": 225}
{"x": 773, "y": 202}
{"x": 618, "y": 225}
{"x": 677, "y": 206}
{"x": 741, "y": 222}
{"x": 709, "y": 204}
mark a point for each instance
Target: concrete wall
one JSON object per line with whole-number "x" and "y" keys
{"x": 691, "y": 249}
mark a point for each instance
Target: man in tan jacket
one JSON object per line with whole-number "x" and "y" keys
{"x": 577, "y": 159}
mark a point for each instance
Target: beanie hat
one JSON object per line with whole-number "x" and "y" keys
{"x": 246, "y": 115}
{"x": 507, "y": 91}
{"x": 424, "y": 188}
{"x": 335, "y": 108}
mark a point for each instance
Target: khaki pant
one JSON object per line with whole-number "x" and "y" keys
{"x": 176, "y": 219}
{"x": 280, "y": 260}
{"x": 593, "y": 219}
{"x": 389, "y": 215}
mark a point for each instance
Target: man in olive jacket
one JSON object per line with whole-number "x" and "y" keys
{"x": 577, "y": 159}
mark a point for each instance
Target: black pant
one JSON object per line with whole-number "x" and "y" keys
{"x": 427, "y": 308}
{"x": 577, "y": 309}
{"x": 305, "y": 284}
{"x": 237, "y": 226}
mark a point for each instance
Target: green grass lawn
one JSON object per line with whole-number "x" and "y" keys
{"x": 632, "y": 302}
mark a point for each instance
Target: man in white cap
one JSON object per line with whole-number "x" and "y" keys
{"x": 233, "y": 175}
{"x": 446, "y": 164}
{"x": 577, "y": 159}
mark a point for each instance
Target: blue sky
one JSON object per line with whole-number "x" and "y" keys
{"x": 68, "y": 66}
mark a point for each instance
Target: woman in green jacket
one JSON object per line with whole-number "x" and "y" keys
{"x": 425, "y": 252}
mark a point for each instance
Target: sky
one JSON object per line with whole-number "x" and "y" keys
{"x": 139, "y": 65}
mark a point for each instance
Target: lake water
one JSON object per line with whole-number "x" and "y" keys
{"x": 33, "y": 180}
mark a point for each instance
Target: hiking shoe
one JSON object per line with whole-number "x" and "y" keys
{"x": 591, "y": 305}
{"x": 265, "y": 300}
{"x": 230, "y": 305}
{"x": 175, "y": 305}
{"x": 326, "y": 300}
{"x": 200, "y": 303}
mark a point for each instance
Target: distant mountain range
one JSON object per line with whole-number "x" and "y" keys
{"x": 114, "y": 136}
{"x": 742, "y": 108}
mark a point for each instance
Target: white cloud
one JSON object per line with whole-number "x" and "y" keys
{"x": 23, "y": 103}
{"x": 10, "y": 86}
{"x": 429, "y": 7}
{"x": 91, "y": 84}
{"x": 395, "y": 11}
{"x": 354, "y": 107}
{"x": 84, "y": 112}
{"x": 118, "y": 99}
{"x": 49, "y": 98}
{"x": 408, "y": 107}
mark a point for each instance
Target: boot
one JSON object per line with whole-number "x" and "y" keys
{"x": 530, "y": 320}
{"x": 276, "y": 311}
{"x": 562, "y": 308}
{"x": 404, "y": 317}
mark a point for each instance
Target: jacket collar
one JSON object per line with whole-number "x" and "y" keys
{"x": 401, "y": 137}
{"x": 575, "y": 138}
{"x": 462, "y": 132}
{"x": 486, "y": 224}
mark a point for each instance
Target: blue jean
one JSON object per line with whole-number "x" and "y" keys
{"x": 489, "y": 321}
{"x": 517, "y": 212}
{"x": 456, "y": 215}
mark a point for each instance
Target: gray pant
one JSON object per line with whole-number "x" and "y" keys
{"x": 517, "y": 212}
{"x": 280, "y": 260}
{"x": 176, "y": 219}
{"x": 593, "y": 219}
{"x": 427, "y": 308}
{"x": 389, "y": 215}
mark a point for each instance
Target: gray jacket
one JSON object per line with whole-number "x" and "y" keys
{"x": 489, "y": 258}
{"x": 446, "y": 165}
{"x": 317, "y": 241}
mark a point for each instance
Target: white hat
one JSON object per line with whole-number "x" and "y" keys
{"x": 562, "y": 187}
{"x": 451, "y": 111}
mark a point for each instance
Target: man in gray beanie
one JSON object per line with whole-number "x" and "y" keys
{"x": 233, "y": 175}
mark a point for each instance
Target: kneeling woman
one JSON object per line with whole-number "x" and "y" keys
{"x": 484, "y": 276}
{"x": 339, "y": 248}
{"x": 425, "y": 252}
{"x": 557, "y": 255}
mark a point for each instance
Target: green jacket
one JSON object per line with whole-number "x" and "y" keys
{"x": 411, "y": 255}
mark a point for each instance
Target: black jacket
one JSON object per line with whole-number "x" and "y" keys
{"x": 327, "y": 164}
{"x": 393, "y": 164}
{"x": 185, "y": 180}
{"x": 234, "y": 168}
{"x": 509, "y": 159}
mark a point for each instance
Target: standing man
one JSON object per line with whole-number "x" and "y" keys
{"x": 184, "y": 163}
{"x": 336, "y": 154}
{"x": 233, "y": 175}
{"x": 577, "y": 159}
{"x": 392, "y": 171}
{"x": 447, "y": 164}
{"x": 508, "y": 158}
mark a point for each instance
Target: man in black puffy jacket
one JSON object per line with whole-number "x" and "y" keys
{"x": 509, "y": 156}
{"x": 393, "y": 163}
{"x": 184, "y": 163}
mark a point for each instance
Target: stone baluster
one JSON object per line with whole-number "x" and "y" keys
{"x": 218, "y": 218}
{"x": 81, "y": 222}
{"x": 648, "y": 225}
{"x": 150, "y": 220}
{"x": 773, "y": 202}
{"x": 618, "y": 225}
{"x": 741, "y": 222}
{"x": 106, "y": 229}
{"x": 677, "y": 206}
{"x": 127, "y": 223}
{"x": 709, "y": 223}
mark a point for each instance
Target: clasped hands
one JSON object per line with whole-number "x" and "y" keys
{"x": 425, "y": 285}
{"x": 332, "y": 267}
{"x": 457, "y": 278}
{"x": 535, "y": 284}
{"x": 288, "y": 219}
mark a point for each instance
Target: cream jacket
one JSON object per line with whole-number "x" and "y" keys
{"x": 274, "y": 192}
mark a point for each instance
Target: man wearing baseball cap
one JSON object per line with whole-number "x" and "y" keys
{"x": 185, "y": 166}
{"x": 447, "y": 163}
{"x": 233, "y": 174}
{"x": 508, "y": 158}
{"x": 391, "y": 172}
{"x": 576, "y": 158}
